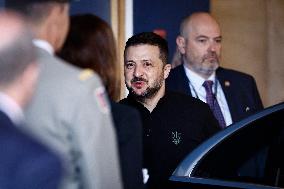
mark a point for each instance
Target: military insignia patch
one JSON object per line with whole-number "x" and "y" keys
{"x": 176, "y": 137}
{"x": 102, "y": 101}
{"x": 86, "y": 74}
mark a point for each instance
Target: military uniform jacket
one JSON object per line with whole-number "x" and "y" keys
{"x": 70, "y": 113}
{"x": 176, "y": 126}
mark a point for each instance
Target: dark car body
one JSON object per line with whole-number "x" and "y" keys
{"x": 247, "y": 154}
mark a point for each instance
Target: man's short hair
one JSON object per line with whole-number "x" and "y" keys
{"x": 13, "y": 3}
{"x": 33, "y": 10}
{"x": 150, "y": 38}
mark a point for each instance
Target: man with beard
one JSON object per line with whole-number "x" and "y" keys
{"x": 231, "y": 95}
{"x": 173, "y": 124}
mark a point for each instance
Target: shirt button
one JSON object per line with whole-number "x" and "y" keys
{"x": 148, "y": 132}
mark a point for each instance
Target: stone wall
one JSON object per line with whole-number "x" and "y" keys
{"x": 253, "y": 42}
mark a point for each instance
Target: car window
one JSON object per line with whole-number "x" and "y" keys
{"x": 252, "y": 154}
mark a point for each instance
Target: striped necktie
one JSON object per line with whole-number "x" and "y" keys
{"x": 213, "y": 103}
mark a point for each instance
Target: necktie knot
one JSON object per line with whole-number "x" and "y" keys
{"x": 208, "y": 86}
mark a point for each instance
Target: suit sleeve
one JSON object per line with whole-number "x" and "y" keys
{"x": 33, "y": 165}
{"x": 43, "y": 171}
{"x": 129, "y": 129}
{"x": 256, "y": 96}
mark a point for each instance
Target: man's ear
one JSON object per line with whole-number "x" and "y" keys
{"x": 181, "y": 44}
{"x": 167, "y": 69}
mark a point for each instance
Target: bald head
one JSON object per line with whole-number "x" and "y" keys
{"x": 200, "y": 43}
{"x": 198, "y": 20}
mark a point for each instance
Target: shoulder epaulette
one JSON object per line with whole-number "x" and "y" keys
{"x": 86, "y": 74}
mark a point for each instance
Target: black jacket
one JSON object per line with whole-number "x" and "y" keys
{"x": 128, "y": 127}
{"x": 176, "y": 126}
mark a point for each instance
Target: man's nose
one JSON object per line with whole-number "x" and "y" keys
{"x": 138, "y": 71}
{"x": 212, "y": 47}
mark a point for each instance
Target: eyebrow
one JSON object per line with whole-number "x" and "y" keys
{"x": 204, "y": 36}
{"x": 145, "y": 60}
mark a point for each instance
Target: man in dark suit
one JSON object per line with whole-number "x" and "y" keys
{"x": 24, "y": 162}
{"x": 173, "y": 124}
{"x": 199, "y": 43}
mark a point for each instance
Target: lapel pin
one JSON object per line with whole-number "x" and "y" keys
{"x": 247, "y": 109}
{"x": 227, "y": 83}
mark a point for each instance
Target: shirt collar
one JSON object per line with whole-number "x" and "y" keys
{"x": 195, "y": 79}
{"x": 141, "y": 107}
{"x": 11, "y": 108}
{"x": 44, "y": 45}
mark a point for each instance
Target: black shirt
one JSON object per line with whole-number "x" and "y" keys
{"x": 173, "y": 129}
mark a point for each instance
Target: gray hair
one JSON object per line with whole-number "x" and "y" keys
{"x": 34, "y": 12}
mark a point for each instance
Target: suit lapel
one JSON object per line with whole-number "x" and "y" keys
{"x": 228, "y": 89}
{"x": 5, "y": 121}
{"x": 184, "y": 85}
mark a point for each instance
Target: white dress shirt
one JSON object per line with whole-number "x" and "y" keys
{"x": 44, "y": 45}
{"x": 11, "y": 109}
{"x": 198, "y": 91}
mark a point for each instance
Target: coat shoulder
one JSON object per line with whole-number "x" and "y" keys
{"x": 234, "y": 74}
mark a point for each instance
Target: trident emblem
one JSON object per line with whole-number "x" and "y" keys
{"x": 176, "y": 137}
